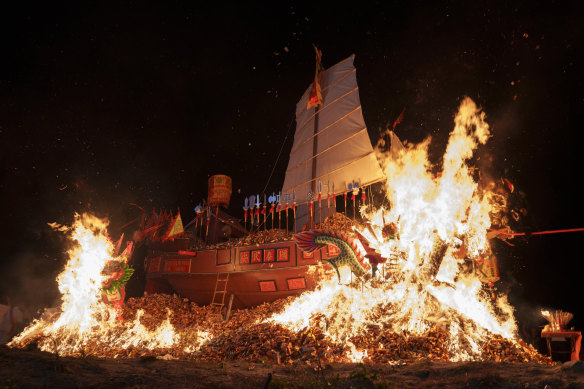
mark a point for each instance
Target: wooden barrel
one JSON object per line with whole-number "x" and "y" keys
{"x": 219, "y": 190}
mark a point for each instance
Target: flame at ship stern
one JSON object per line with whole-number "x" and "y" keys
{"x": 84, "y": 323}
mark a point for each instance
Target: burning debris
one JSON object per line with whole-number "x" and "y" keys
{"x": 199, "y": 333}
{"x": 558, "y": 320}
{"x": 336, "y": 222}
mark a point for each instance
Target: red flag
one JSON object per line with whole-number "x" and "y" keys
{"x": 509, "y": 185}
{"x": 399, "y": 119}
{"x": 263, "y": 210}
{"x": 315, "y": 98}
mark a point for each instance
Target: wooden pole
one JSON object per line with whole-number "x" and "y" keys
{"x": 228, "y": 313}
{"x": 207, "y": 221}
{"x": 314, "y": 152}
{"x": 216, "y": 222}
{"x": 319, "y": 209}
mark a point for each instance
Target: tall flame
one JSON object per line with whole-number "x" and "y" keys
{"x": 426, "y": 285}
{"x": 84, "y": 319}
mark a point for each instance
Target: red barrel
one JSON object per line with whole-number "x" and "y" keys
{"x": 219, "y": 190}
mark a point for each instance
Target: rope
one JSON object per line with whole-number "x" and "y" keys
{"x": 537, "y": 233}
{"x": 278, "y": 157}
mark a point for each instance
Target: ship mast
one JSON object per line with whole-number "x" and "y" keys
{"x": 339, "y": 135}
{"x": 314, "y": 152}
{"x": 316, "y": 100}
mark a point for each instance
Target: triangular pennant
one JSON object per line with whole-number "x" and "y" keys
{"x": 118, "y": 245}
{"x": 176, "y": 228}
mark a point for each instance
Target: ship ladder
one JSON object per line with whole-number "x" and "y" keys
{"x": 220, "y": 292}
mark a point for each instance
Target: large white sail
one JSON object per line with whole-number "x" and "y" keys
{"x": 343, "y": 151}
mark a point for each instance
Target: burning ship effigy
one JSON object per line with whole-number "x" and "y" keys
{"x": 407, "y": 280}
{"x": 331, "y": 158}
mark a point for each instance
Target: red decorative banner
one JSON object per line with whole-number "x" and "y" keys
{"x": 190, "y": 253}
{"x": 333, "y": 250}
{"x": 283, "y": 255}
{"x": 154, "y": 265}
{"x": 177, "y": 266}
{"x": 296, "y": 283}
{"x": 256, "y": 256}
{"x": 269, "y": 255}
{"x": 243, "y": 257}
{"x": 267, "y": 286}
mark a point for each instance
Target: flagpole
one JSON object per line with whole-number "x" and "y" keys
{"x": 208, "y": 221}
{"x": 315, "y": 94}
{"x": 216, "y": 222}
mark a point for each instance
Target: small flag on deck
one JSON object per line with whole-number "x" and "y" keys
{"x": 176, "y": 228}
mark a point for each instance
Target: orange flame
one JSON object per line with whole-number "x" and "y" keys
{"x": 432, "y": 215}
{"x": 83, "y": 317}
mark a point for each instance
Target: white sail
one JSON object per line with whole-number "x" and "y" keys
{"x": 343, "y": 152}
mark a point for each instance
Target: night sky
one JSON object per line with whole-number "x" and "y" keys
{"x": 140, "y": 102}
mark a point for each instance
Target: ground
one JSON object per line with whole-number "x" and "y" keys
{"x": 34, "y": 369}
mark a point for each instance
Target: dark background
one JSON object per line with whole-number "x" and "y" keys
{"x": 102, "y": 105}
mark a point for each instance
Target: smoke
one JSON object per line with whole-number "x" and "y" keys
{"x": 29, "y": 282}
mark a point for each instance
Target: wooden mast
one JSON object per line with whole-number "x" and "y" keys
{"x": 314, "y": 152}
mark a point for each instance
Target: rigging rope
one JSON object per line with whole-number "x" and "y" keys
{"x": 537, "y": 233}
{"x": 279, "y": 154}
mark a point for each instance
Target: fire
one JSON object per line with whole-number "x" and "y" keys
{"x": 428, "y": 242}
{"x": 425, "y": 284}
{"x": 85, "y": 321}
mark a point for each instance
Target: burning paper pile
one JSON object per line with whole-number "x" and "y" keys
{"x": 84, "y": 317}
{"x": 198, "y": 333}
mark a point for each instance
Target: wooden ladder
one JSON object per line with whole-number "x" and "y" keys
{"x": 220, "y": 291}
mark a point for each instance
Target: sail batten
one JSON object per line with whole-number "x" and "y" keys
{"x": 324, "y": 129}
{"x": 367, "y": 158}
{"x": 330, "y": 148}
{"x": 338, "y": 146}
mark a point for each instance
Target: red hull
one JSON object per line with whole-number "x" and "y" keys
{"x": 257, "y": 274}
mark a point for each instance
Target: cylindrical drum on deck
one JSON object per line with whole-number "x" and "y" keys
{"x": 219, "y": 190}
